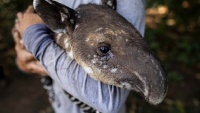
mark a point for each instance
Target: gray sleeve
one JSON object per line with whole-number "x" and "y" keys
{"x": 134, "y": 12}
{"x": 69, "y": 75}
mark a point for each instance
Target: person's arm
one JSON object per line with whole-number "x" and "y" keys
{"x": 65, "y": 71}
{"x": 69, "y": 75}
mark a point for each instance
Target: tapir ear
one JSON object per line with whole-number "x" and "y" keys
{"x": 58, "y": 17}
{"x": 110, "y": 3}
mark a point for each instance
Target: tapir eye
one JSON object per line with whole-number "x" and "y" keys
{"x": 103, "y": 49}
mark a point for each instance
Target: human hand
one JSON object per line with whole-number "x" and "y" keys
{"x": 25, "y": 60}
{"x": 26, "y": 19}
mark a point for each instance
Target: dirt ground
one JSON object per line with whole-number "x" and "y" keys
{"x": 23, "y": 94}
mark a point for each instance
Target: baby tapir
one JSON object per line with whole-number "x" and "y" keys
{"x": 107, "y": 46}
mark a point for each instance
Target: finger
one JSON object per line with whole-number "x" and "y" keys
{"x": 17, "y": 27}
{"x": 24, "y": 56}
{"x": 18, "y": 40}
{"x": 22, "y": 44}
{"x": 19, "y": 16}
{"x": 16, "y": 37}
{"x": 16, "y": 20}
{"x": 28, "y": 56}
{"x": 37, "y": 68}
{"x": 30, "y": 9}
{"x": 13, "y": 31}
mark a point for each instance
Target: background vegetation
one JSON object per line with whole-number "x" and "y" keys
{"x": 172, "y": 31}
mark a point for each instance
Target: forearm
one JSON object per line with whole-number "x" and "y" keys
{"x": 69, "y": 75}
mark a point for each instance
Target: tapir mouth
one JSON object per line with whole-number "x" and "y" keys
{"x": 153, "y": 90}
{"x": 150, "y": 81}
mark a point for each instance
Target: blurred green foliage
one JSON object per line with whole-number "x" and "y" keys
{"x": 172, "y": 31}
{"x": 177, "y": 43}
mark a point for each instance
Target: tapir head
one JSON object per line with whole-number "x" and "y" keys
{"x": 107, "y": 46}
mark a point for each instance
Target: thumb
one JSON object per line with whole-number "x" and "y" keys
{"x": 29, "y": 9}
{"x": 16, "y": 36}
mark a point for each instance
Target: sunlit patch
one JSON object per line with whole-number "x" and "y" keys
{"x": 185, "y": 4}
{"x": 171, "y": 22}
{"x": 162, "y": 9}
